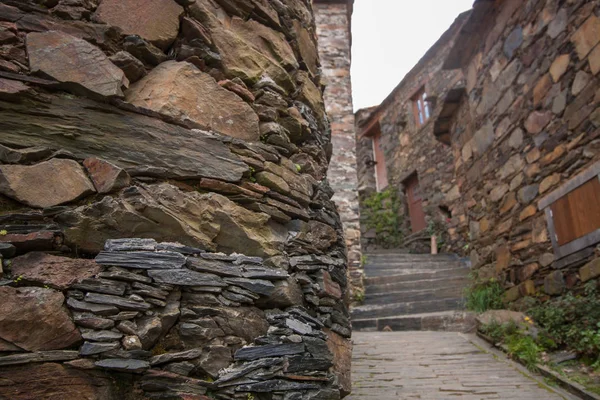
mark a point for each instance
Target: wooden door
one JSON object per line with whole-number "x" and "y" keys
{"x": 380, "y": 170}
{"x": 415, "y": 205}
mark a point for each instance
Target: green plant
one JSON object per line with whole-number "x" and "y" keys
{"x": 437, "y": 229}
{"x": 381, "y": 212}
{"x": 298, "y": 167}
{"x": 498, "y": 331}
{"x": 525, "y": 349}
{"x": 363, "y": 260}
{"x": 3, "y": 232}
{"x": 483, "y": 296}
{"x": 572, "y": 321}
{"x": 359, "y": 295}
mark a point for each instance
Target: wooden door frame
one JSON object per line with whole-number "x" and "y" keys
{"x": 544, "y": 204}
{"x": 406, "y": 178}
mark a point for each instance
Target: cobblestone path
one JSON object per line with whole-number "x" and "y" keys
{"x": 438, "y": 365}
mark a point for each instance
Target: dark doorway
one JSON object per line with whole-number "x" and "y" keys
{"x": 415, "y": 205}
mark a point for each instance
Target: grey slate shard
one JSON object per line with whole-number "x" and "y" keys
{"x": 185, "y": 277}
{"x": 298, "y": 326}
{"x": 171, "y": 357}
{"x": 180, "y": 248}
{"x": 123, "y": 365}
{"x": 270, "y": 350}
{"x": 258, "y": 286}
{"x": 100, "y": 336}
{"x": 91, "y": 348}
{"x": 242, "y": 259}
{"x": 239, "y": 298}
{"x": 218, "y": 256}
{"x": 142, "y": 259}
{"x": 305, "y": 362}
{"x": 216, "y": 267}
{"x": 276, "y": 385}
{"x": 270, "y": 274}
{"x": 123, "y": 275}
{"x": 7, "y": 250}
{"x": 246, "y": 368}
{"x": 116, "y": 301}
{"x": 239, "y": 290}
{"x": 99, "y": 309}
{"x": 105, "y": 286}
{"x": 38, "y": 356}
{"x": 130, "y": 244}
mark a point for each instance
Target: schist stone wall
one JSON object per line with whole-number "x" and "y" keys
{"x": 526, "y": 134}
{"x": 166, "y": 226}
{"x": 411, "y": 148}
{"x": 333, "y": 19}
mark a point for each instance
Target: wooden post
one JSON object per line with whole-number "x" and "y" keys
{"x": 434, "y": 247}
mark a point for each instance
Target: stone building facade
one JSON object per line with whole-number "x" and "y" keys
{"x": 166, "y": 226}
{"x": 334, "y": 22}
{"x": 398, "y": 151}
{"x": 526, "y": 142}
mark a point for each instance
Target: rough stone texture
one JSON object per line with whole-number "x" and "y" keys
{"x": 106, "y": 176}
{"x": 180, "y": 90}
{"x": 157, "y": 21}
{"x": 554, "y": 97}
{"x": 333, "y": 28}
{"x": 57, "y": 272}
{"x": 54, "y": 381}
{"x": 47, "y": 184}
{"x": 75, "y": 62}
{"x": 36, "y": 319}
{"x": 193, "y": 253}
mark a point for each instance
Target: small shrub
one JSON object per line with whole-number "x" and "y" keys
{"x": 483, "y": 296}
{"x": 381, "y": 212}
{"x": 525, "y": 349}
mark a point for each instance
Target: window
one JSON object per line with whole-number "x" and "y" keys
{"x": 573, "y": 214}
{"x": 421, "y": 107}
{"x": 380, "y": 169}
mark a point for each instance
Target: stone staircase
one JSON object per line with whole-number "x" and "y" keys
{"x": 406, "y": 292}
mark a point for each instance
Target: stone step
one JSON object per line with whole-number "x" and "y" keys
{"x": 379, "y": 277}
{"x": 387, "y": 286}
{"x": 406, "y": 296}
{"x": 400, "y": 309}
{"x": 410, "y": 257}
{"x": 412, "y": 269}
{"x": 447, "y": 321}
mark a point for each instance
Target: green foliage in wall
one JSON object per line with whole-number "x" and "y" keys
{"x": 381, "y": 212}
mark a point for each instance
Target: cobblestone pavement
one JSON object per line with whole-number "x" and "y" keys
{"x": 438, "y": 365}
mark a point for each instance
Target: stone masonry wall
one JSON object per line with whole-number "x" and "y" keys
{"x": 410, "y": 148}
{"x": 166, "y": 225}
{"x": 528, "y": 123}
{"x": 333, "y": 30}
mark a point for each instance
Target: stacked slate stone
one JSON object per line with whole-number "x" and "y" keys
{"x": 201, "y": 322}
{"x": 198, "y": 122}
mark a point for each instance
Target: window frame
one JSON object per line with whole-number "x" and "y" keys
{"x": 421, "y": 107}
{"x": 588, "y": 240}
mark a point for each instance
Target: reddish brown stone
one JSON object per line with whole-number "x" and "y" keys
{"x": 559, "y": 66}
{"x": 342, "y": 360}
{"x": 75, "y": 62}
{"x": 594, "y": 60}
{"x": 10, "y": 89}
{"x": 52, "y": 381}
{"x": 36, "y": 319}
{"x": 46, "y": 184}
{"x": 180, "y": 90}
{"x": 537, "y": 121}
{"x": 56, "y": 272}
{"x": 157, "y": 21}
{"x": 503, "y": 258}
{"x": 541, "y": 89}
{"x": 587, "y": 36}
{"x": 527, "y": 212}
{"x": 25, "y": 242}
{"x": 329, "y": 287}
{"x": 238, "y": 89}
{"x": 106, "y": 177}
{"x": 549, "y": 182}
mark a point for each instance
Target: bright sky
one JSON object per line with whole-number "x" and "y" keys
{"x": 389, "y": 38}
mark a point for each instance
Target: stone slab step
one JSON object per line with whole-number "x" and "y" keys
{"x": 377, "y": 277}
{"x": 447, "y": 321}
{"x": 406, "y": 296}
{"x": 410, "y": 257}
{"x": 387, "y": 286}
{"x": 406, "y": 308}
{"x": 413, "y": 266}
